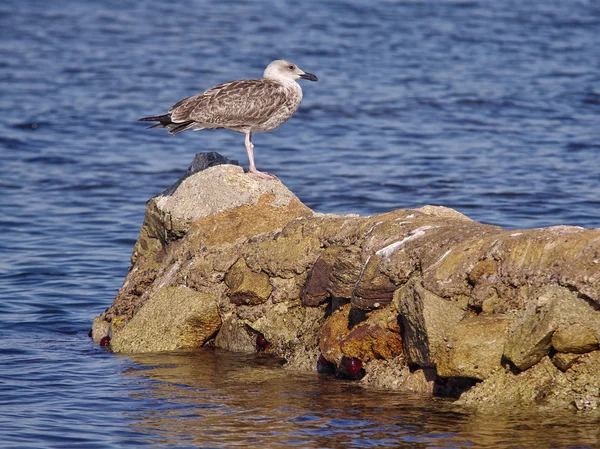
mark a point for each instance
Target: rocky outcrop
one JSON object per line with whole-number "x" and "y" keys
{"x": 422, "y": 300}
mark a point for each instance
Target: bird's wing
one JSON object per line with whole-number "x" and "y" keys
{"x": 232, "y": 104}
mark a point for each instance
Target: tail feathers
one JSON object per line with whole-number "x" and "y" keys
{"x": 157, "y": 125}
{"x": 156, "y": 118}
{"x": 164, "y": 121}
{"x": 177, "y": 128}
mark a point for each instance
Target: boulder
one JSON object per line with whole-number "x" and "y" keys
{"x": 234, "y": 336}
{"x": 422, "y": 300}
{"x": 474, "y": 348}
{"x": 552, "y": 310}
{"x": 543, "y": 385}
{"x": 246, "y": 286}
{"x": 574, "y": 338}
{"x": 174, "y": 318}
{"x": 427, "y": 320}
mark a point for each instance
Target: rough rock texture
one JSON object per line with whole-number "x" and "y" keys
{"x": 542, "y": 385}
{"x": 555, "y": 319}
{"x": 245, "y": 286}
{"x": 474, "y": 347}
{"x": 428, "y": 300}
{"x": 174, "y": 318}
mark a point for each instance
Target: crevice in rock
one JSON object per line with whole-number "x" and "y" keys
{"x": 452, "y": 387}
{"x": 506, "y": 363}
{"x": 335, "y": 304}
{"x": 356, "y": 316}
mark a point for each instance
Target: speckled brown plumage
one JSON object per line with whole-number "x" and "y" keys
{"x": 244, "y": 106}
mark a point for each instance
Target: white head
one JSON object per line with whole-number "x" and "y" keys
{"x": 286, "y": 71}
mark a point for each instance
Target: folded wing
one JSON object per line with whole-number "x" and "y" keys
{"x": 236, "y": 104}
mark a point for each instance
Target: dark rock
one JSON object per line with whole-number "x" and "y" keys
{"x": 204, "y": 160}
{"x": 315, "y": 291}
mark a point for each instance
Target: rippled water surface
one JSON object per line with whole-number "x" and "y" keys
{"x": 492, "y": 108}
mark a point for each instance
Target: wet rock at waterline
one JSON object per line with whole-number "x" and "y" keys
{"x": 422, "y": 300}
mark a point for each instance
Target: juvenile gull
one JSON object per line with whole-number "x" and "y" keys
{"x": 244, "y": 106}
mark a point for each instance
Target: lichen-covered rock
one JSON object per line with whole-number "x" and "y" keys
{"x": 174, "y": 318}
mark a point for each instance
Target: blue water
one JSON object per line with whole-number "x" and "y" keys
{"x": 492, "y": 108}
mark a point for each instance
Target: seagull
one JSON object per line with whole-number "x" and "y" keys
{"x": 243, "y": 106}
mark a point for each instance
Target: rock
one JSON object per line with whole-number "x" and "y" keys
{"x": 375, "y": 337}
{"x": 174, "y": 318}
{"x": 542, "y": 385}
{"x": 427, "y": 321}
{"x": 334, "y": 274}
{"x": 373, "y": 288}
{"x": 574, "y": 338}
{"x": 394, "y": 374}
{"x": 289, "y": 328}
{"x": 100, "y": 329}
{"x": 285, "y": 254}
{"x": 315, "y": 291}
{"x": 378, "y": 337}
{"x": 234, "y": 336}
{"x": 332, "y": 333}
{"x": 195, "y": 196}
{"x": 474, "y": 348}
{"x": 345, "y": 273}
{"x": 530, "y": 336}
{"x": 442, "y": 212}
{"x": 223, "y": 193}
{"x": 247, "y": 287}
{"x": 286, "y": 289}
{"x": 415, "y": 299}
{"x": 202, "y": 161}
{"x": 563, "y": 361}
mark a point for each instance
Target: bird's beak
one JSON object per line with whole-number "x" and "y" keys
{"x": 309, "y": 76}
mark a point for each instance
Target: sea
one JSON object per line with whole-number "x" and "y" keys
{"x": 488, "y": 107}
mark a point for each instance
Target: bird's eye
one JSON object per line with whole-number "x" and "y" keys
{"x": 291, "y": 67}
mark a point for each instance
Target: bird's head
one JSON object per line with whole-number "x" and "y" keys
{"x": 285, "y": 71}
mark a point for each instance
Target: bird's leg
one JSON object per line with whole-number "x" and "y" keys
{"x": 250, "y": 150}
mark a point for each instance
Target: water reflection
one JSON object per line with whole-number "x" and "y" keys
{"x": 218, "y": 399}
